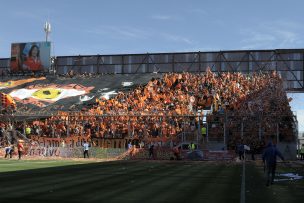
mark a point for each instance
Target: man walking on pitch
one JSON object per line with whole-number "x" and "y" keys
{"x": 270, "y": 159}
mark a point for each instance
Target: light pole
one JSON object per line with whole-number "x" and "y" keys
{"x": 47, "y": 30}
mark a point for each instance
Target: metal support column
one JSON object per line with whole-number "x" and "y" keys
{"x": 199, "y": 62}
{"x": 207, "y": 131}
{"x": 224, "y": 132}
{"x": 260, "y": 131}
{"x": 278, "y": 132}
{"x": 173, "y": 63}
{"x": 24, "y": 124}
{"x": 147, "y": 63}
{"x": 199, "y": 133}
{"x": 68, "y": 127}
{"x": 122, "y": 64}
{"x": 242, "y": 129}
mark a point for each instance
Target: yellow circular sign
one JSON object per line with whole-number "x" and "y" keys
{"x": 48, "y": 93}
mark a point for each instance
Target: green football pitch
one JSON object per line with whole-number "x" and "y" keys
{"x": 141, "y": 181}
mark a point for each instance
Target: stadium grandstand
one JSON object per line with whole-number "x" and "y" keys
{"x": 213, "y": 99}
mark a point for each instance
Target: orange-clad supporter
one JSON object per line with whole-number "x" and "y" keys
{"x": 20, "y": 148}
{"x": 177, "y": 95}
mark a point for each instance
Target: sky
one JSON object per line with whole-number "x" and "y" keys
{"x": 89, "y": 27}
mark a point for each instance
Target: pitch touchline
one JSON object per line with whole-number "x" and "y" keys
{"x": 242, "y": 199}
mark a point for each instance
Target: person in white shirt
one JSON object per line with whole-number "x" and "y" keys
{"x": 129, "y": 145}
{"x": 7, "y": 151}
{"x": 86, "y": 147}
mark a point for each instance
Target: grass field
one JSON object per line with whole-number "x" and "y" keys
{"x": 139, "y": 181}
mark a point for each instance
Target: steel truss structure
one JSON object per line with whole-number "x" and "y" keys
{"x": 288, "y": 62}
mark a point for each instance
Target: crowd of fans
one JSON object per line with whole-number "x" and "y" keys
{"x": 168, "y": 106}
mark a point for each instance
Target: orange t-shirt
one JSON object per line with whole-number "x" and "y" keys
{"x": 20, "y": 147}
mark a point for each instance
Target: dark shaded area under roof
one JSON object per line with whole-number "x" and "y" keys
{"x": 101, "y": 84}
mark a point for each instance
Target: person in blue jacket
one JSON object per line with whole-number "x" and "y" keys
{"x": 270, "y": 161}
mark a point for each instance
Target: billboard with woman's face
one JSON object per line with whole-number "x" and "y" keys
{"x": 31, "y": 56}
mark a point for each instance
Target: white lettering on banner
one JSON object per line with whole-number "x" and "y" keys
{"x": 44, "y": 151}
{"x": 74, "y": 152}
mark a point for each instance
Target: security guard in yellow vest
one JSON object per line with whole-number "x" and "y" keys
{"x": 27, "y": 131}
{"x": 191, "y": 146}
{"x": 204, "y": 132}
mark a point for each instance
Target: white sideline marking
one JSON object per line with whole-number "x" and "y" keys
{"x": 42, "y": 162}
{"x": 34, "y": 162}
{"x": 242, "y": 199}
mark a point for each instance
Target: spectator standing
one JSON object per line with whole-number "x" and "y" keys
{"x": 176, "y": 152}
{"x": 12, "y": 151}
{"x": 86, "y": 147}
{"x": 20, "y": 148}
{"x": 129, "y": 145}
{"x": 151, "y": 151}
{"x": 7, "y": 151}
